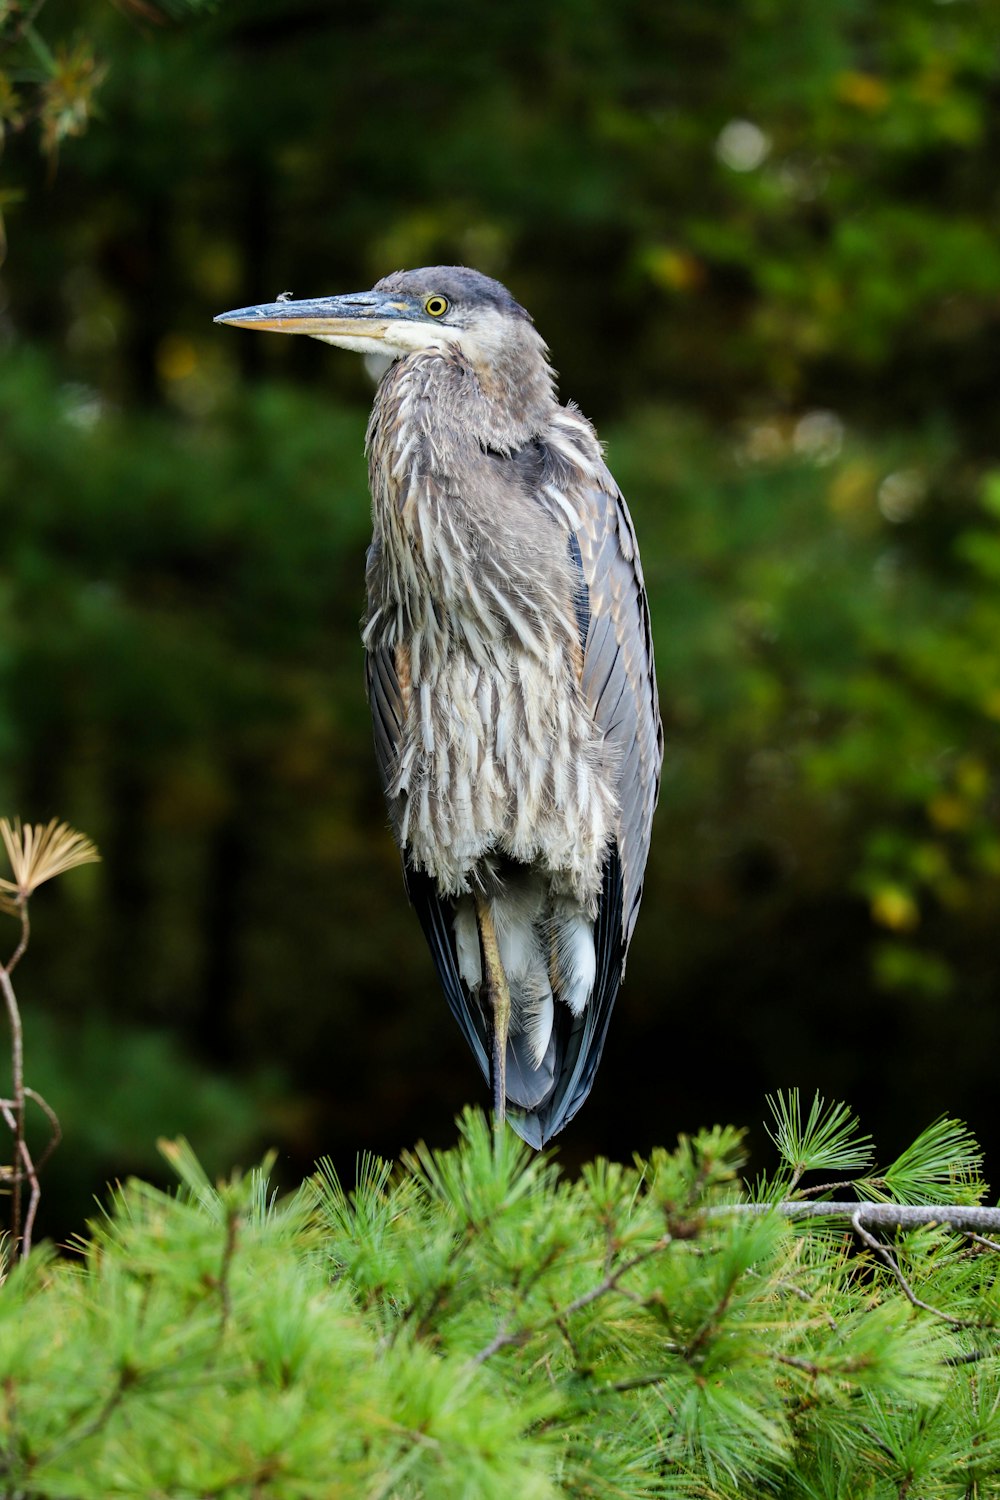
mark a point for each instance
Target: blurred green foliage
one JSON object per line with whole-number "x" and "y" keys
{"x": 760, "y": 242}
{"x": 51, "y": 92}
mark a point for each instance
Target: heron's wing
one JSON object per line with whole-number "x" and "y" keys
{"x": 436, "y": 916}
{"x": 435, "y": 913}
{"x": 619, "y": 683}
{"x": 386, "y": 704}
{"x": 619, "y": 679}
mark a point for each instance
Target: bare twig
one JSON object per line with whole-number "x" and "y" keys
{"x": 972, "y": 1357}
{"x": 502, "y": 1339}
{"x": 885, "y": 1255}
{"x": 830, "y": 1187}
{"x": 18, "y": 1174}
{"x": 795, "y": 1362}
{"x": 981, "y": 1239}
{"x": 635, "y": 1383}
{"x": 27, "y": 1172}
{"x": 965, "y": 1218}
{"x": 24, "y": 939}
{"x": 16, "y": 1116}
{"x": 53, "y": 1120}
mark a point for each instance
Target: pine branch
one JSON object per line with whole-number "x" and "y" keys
{"x": 965, "y": 1218}
{"x": 76, "y": 1435}
{"x": 729, "y": 1343}
{"x": 506, "y": 1337}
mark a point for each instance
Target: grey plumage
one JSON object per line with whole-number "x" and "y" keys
{"x": 510, "y": 674}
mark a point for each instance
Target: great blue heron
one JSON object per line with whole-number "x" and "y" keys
{"x": 510, "y": 674}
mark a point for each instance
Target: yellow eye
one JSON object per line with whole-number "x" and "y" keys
{"x": 436, "y": 306}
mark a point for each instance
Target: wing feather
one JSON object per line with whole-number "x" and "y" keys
{"x": 619, "y": 677}
{"x": 385, "y": 702}
{"x": 579, "y": 1040}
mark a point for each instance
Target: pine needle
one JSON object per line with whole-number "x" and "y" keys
{"x": 944, "y": 1156}
{"x": 829, "y": 1138}
{"x": 38, "y": 852}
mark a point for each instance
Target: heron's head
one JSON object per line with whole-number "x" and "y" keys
{"x": 409, "y": 312}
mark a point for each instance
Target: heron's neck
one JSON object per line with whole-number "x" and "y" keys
{"x": 509, "y": 392}
{"x": 476, "y": 396}
{"x": 447, "y": 503}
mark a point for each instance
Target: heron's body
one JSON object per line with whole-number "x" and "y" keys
{"x": 498, "y": 752}
{"x": 510, "y": 677}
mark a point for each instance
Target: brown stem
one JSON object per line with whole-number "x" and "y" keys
{"x": 228, "y": 1251}
{"x": 18, "y": 1175}
{"x": 24, "y": 939}
{"x": 17, "y": 1075}
{"x": 53, "y": 1120}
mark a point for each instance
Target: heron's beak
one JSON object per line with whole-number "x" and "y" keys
{"x": 366, "y": 321}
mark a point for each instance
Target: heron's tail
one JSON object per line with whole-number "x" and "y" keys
{"x": 563, "y": 972}
{"x": 549, "y": 950}
{"x": 520, "y": 918}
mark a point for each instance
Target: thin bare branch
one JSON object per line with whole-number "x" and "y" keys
{"x": 126, "y": 1378}
{"x": 18, "y": 1175}
{"x": 503, "y": 1339}
{"x": 31, "y": 1173}
{"x": 966, "y": 1218}
{"x": 21, "y": 906}
{"x": 635, "y": 1383}
{"x": 830, "y": 1187}
{"x": 889, "y": 1259}
{"x": 980, "y": 1239}
{"x": 794, "y": 1362}
{"x": 53, "y": 1120}
{"x": 16, "y": 1118}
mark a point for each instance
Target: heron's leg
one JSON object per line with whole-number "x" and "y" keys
{"x": 497, "y": 993}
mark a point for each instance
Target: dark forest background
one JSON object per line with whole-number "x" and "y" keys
{"x": 761, "y": 240}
